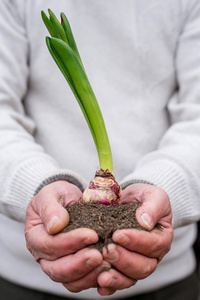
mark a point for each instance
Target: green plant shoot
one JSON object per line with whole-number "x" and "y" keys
{"x": 63, "y": 49}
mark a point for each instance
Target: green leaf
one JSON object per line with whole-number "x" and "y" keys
{"x": 67, "y": 28}
{"x": 57, "y": 26}
{"x": 67, "y": 58}
{"x": 55, "y": 54}
{"x": 50, "y": 27}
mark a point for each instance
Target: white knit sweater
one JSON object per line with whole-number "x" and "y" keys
{"x": 143, "y": 61}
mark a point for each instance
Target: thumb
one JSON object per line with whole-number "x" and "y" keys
{"x": 48, "y": 205}
{"x": 144, "y": 219}
{"x": 56, "y": 218}
{"x": 154, "y": 209}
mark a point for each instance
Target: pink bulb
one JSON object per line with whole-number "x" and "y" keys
{"x": 103, "y": 189}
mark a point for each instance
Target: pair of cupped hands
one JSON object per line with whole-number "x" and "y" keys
{"x": 65, "y": 257}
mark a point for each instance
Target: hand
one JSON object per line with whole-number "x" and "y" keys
{"x": 137, "y": 253}
{"x": 63, "y": 257}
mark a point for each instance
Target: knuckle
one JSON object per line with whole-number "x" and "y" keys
{"x": 149, "y": 267}
{"x": 49, "y": 269}
{"x": 48, "y": 250}
{"x": 44, "y": 208}
{"x": 162, "y": 244}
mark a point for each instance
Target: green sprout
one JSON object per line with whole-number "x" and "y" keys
{"x": 63, "y": 49}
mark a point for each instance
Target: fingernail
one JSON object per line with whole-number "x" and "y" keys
{"x": 112, "y": 254}
{"x": 88, "y": 241}
{"x": 92, "y": 263}
{"x": 146, "y": 220}
{"x": 52, "y": 222}
{"x": 111, "y": 282}
{"x": 102, "y": 268}
{"x": 122, "y": 239}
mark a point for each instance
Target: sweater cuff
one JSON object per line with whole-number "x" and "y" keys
{"x": 176, "y": 182}
{"x": 22, "y": 185}
{"x": 63, "y": 175}
{"x": 124, "y": 184}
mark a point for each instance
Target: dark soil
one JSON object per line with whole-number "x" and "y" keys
{"x": 104, "y": 219}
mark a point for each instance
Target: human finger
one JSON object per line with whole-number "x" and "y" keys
{"x": 112, "y": 280}
{"x": 155, "y": 205}
{"x": 69, "y": 268}
{"x": 42, "y": 245}
{"x": 131, "y": 264}
{"x": 154, "y": 244}
{"x": 47, "y": 207}
{"x": 89, "y": 280}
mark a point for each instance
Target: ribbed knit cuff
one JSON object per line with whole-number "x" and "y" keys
{"x": 134, "y": 181}
{"x": 62, "y": 175}
{"x": 27, "y": 180}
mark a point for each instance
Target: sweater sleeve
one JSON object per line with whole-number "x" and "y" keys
{"x": 24, "y": 165}
{"x": 175, "y": 165}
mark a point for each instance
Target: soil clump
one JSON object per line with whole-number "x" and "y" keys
{"x": 104, "y": 219}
